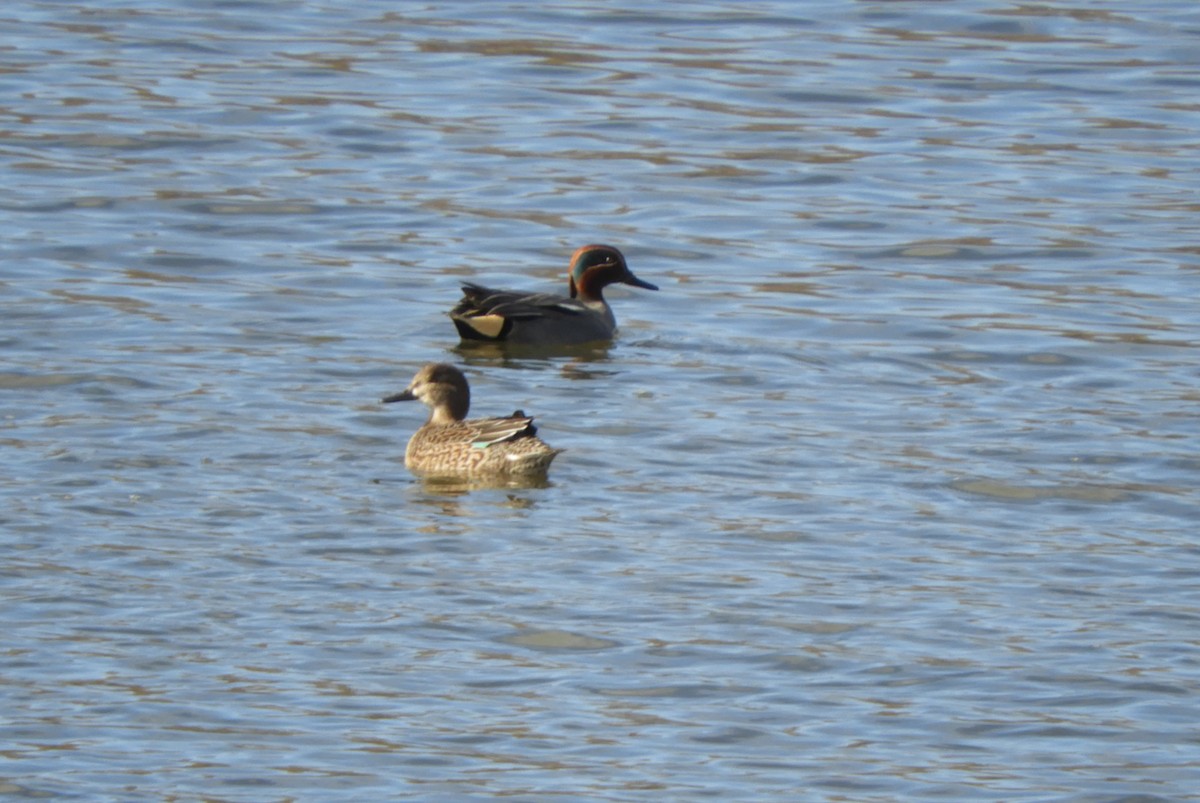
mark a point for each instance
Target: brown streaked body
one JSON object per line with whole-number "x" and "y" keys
{"x": 448, "y": 445}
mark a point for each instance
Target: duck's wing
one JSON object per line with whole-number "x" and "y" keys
{"x": 478, "y": 300}
{"x": 485, "y": 313}
{"x": 488, "y": 431}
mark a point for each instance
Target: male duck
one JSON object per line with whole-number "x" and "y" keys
{"x": 545, "y": 319}
{"x": 448, "y": 446}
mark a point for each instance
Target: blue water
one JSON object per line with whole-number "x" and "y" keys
{"x": 889, "y": 493}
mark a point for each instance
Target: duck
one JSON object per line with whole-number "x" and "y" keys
{"x": 547, "y": 319}
{"x": 449, "y": 445}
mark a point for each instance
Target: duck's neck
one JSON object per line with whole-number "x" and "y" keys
{"x": 590, "y": 284}
{"x": 449, "y": 410}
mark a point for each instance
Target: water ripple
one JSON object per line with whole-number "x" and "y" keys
{"x": 889, "y": 493}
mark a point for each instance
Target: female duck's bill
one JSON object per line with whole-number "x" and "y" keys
{"x": 448, "y": 445}
{"x": 548, "y": 319}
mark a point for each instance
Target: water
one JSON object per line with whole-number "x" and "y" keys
{"x": 889, "y": 493}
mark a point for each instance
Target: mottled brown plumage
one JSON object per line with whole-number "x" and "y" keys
{"x": 448, "y": 445}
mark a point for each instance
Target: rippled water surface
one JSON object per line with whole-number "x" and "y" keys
{"x": 889, "y": 493}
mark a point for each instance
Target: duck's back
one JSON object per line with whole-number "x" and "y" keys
{"x": 485, "y": 313}
{"x": 485, "y": 446}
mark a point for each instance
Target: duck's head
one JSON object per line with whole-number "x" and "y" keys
{"x": 443, "y": 388}
{"x": 594, "y": 267}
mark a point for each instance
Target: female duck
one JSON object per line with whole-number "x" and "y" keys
{"x": 449, "y": 446}
{"x": 545, "y": 319}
